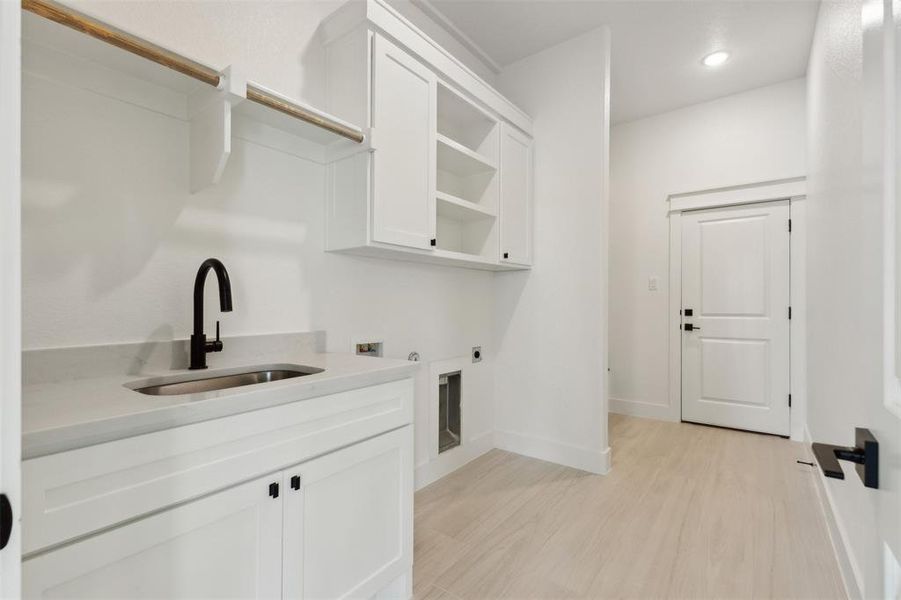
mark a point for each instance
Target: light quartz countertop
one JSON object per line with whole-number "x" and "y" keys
{"x": 68, "y": 413}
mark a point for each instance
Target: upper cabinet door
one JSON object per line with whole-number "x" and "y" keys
{"x": 516, "y": 196}
{"x": 349, "y": 519}
{"x": 227, "y": 544}
{"x": 403, "y": 120}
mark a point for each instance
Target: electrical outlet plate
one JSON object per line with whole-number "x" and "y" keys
{"x": 476, "y": 354}
{"x": 368, "y": 348}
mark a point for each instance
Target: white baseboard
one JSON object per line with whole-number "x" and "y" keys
{"x": 637, "y": 408}
{"x": 847, "y": 563}
{"x": 450, "y": 461}
{"x": 593, "y": 461}
{"x": 399, "y": 589}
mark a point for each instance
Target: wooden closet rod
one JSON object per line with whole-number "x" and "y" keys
{"x": 263, "y": 97}
{"x": 101, "y": 31}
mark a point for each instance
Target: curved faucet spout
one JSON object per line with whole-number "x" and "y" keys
{"x": 199, "y": 345}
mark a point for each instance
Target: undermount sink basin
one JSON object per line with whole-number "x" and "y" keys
{"x": 181, "y": 386}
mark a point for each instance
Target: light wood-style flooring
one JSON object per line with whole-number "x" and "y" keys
{"x": 687, "y": 512}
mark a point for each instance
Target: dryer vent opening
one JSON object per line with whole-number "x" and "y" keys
{"x": 449, "y": 386}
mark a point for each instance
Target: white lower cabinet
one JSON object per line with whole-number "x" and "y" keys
{"x": 228, "y": 544}
{"x": 338, "y": 526}
{"x": 348, "y": 520}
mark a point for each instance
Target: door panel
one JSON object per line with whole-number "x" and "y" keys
{"x": 734, "y": 264}
{"x": 735, "y": 282}
{"x": 10, "y": 291}
{"x": 340, "y": 542}
{"x": 516, "y": 197}
{"x": 735, "y": 371}
{"x": 225, "y": 545}
{"x": 404, "y": 114}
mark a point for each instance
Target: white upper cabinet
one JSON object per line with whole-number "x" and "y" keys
{"x": 516, "y": 197}
{"x": 403, "y": 119}
{"x": 429, "y": 185}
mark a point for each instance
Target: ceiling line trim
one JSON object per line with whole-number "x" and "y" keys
{"x": 467, "y": 42}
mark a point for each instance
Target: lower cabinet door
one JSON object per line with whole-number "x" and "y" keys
{"x": 228, "y": 544}
{"x": 348, "y": 518}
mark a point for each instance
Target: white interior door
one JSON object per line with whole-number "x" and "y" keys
{"x": 879, "y": 563}
{"x": 404, "y": 117}
{"x": 10, "y": 293}
{"x": 735, "y": 304}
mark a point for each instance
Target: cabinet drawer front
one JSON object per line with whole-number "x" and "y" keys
{"x": 70, "y": 494}
{"x": 348, "y": 519}
{"x": 224, "y": 545}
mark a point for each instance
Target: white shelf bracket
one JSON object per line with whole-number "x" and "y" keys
{"x": 210, "y": 115}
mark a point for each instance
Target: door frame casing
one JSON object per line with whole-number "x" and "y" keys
{"x": 795, "y": 191}
{"x": 10, "y": 289}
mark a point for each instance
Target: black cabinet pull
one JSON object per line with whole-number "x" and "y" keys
{"x": 6, "y": 520}
{"x": 295, "y": 482}
{"x": 273, "y": 490}
{"x": 506, "y": 255}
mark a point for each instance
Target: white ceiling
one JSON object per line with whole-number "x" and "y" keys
{"x": 657, "y": 44}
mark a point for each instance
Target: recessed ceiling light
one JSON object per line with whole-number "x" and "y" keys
{"x": 715, "y": 59}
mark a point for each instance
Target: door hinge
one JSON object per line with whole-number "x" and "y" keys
{"x": 789, "y": 313}
{"x": 273, "y": 490}
{"x": 295, "y": 482}
{"x": 789, "y": 400}
{"x": 789, "y": 225}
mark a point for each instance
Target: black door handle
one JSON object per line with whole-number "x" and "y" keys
{"x": 865, "y": 455}
{"x": 690, "y": 327}
{"x": 6, "y": 520}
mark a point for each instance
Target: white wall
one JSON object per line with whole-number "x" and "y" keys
{"x": 112, "y": 238}
{"x": 845, "y": 287}
{"x": 450, "y": 42}
{"x": 273, "y": 40}
{"x": 551, "y": 322}
{"x": 750, "y": 137}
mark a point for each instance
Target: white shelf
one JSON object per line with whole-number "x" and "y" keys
{"x": 458, "y": 209}
{"x": 65, "y": 45}
{"x": 474, "y": 260}
{"x": 459, "y": 159}
{"x": 295, "y": 117}
{"x": 448, "y": 258}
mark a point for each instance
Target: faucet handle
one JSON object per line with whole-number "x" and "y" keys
{"x": 214, "y": 346}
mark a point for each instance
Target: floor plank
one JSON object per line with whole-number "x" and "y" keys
{"x": 686, "y": 512}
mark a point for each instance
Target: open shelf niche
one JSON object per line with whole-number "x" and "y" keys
{"x": 62, "y": 44}
{"x": 467, "y": 184}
